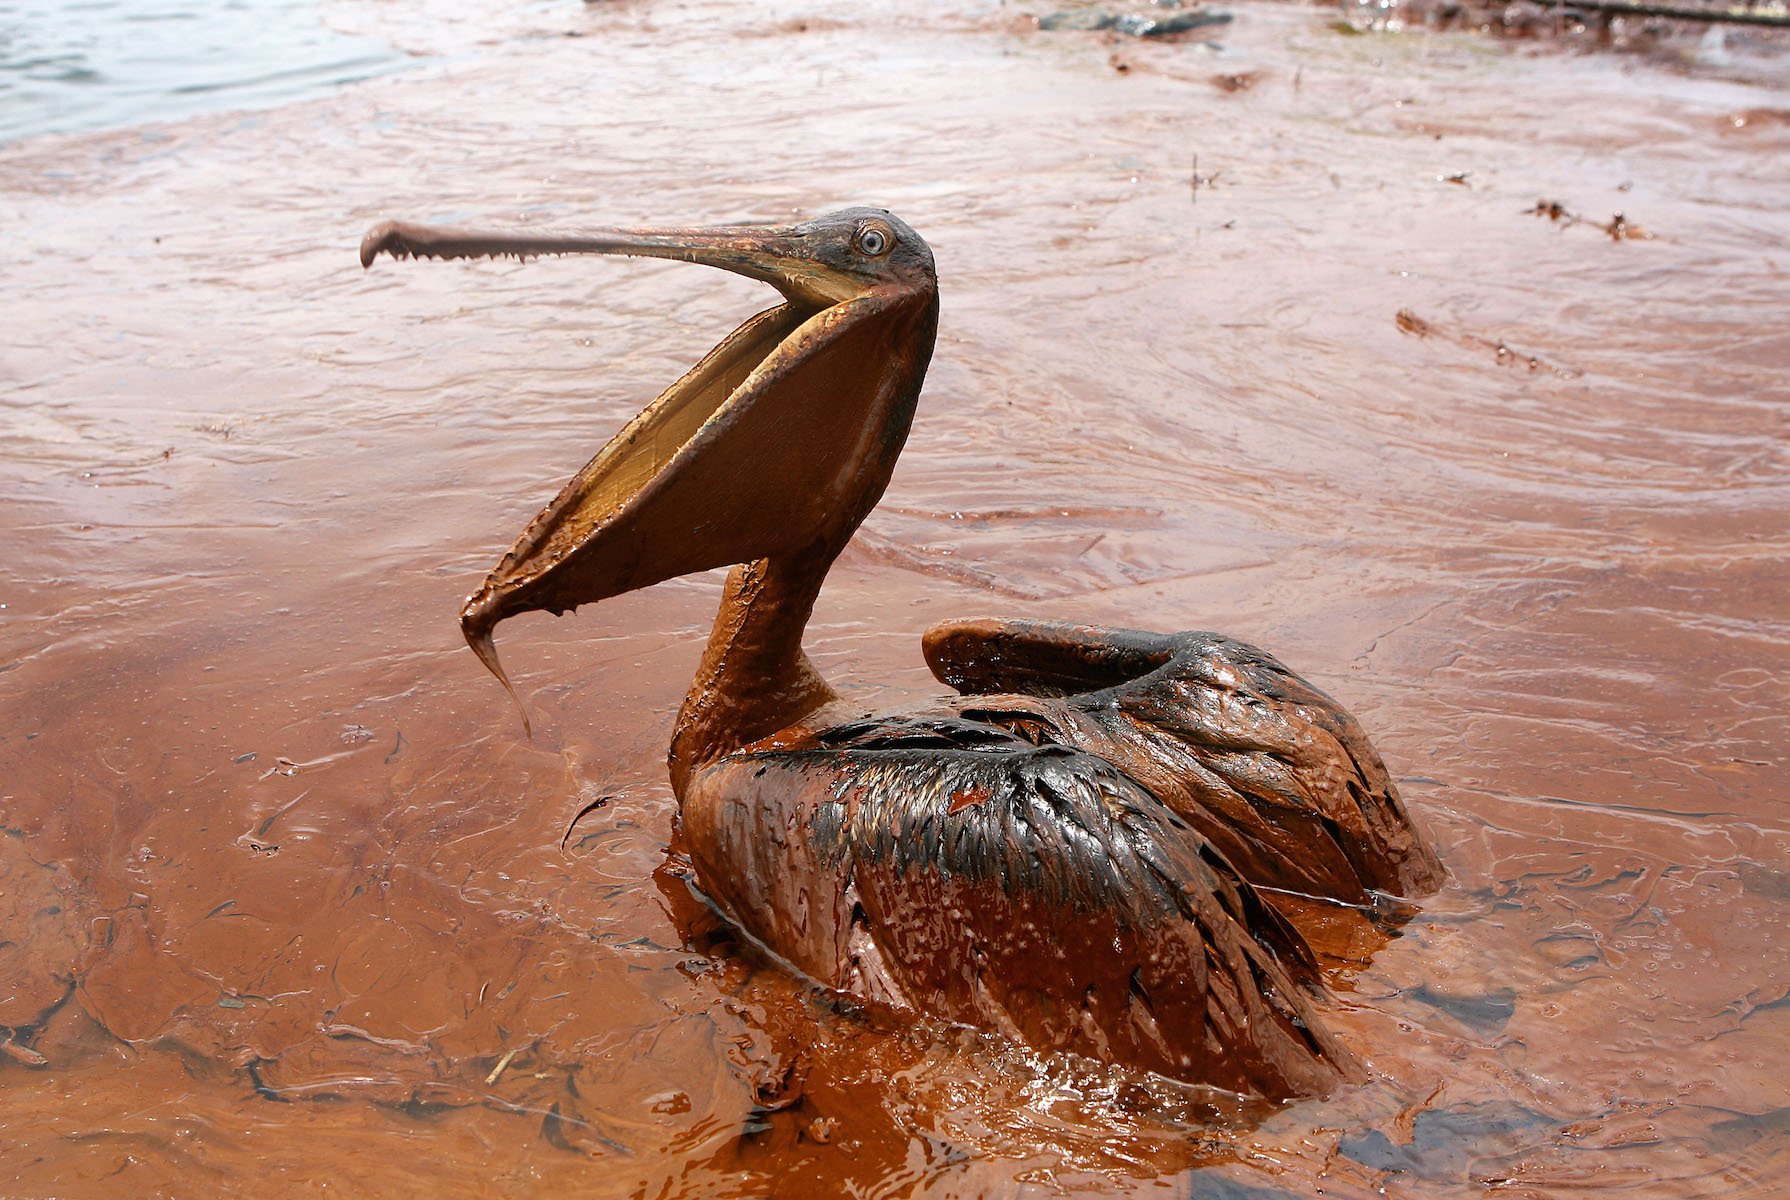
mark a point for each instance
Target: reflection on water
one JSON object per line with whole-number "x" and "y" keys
{"x": 103, "y": 63}
{"x": 285, "y": 896}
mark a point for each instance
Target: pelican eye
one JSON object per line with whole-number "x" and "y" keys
{"x": 873, "y": 241}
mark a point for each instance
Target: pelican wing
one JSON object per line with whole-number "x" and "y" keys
{"x": 1270, "y": 769}
{"x": 1036, "y": 890}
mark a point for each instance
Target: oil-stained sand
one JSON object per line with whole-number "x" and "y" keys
{"x": 288, "y": 900}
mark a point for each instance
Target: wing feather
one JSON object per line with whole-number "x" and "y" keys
{"x": 1036, "y": 890}
{"x": 1270, "y": 769}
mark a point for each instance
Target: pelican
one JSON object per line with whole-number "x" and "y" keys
{"x": 1071, "y": 851}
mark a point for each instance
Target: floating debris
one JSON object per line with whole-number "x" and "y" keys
{"x": 1618, "y": 227}
{"x": 1144, "y": 25}
{"x": 502, "y": 1064}
{"x": 1772, "y": 16}
{"x": 1196, "y": 181}
{"x": 1141, "y": 25}
{"x": 1086, "y": 20}
{"x": 1241, "y": 81}
{"x": 22, "y": 1054}
{"x": 1409, "y": 322}
{"x": 1606, "y": 21}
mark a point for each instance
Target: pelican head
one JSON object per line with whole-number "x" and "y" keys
{"x": 775, "y": 445}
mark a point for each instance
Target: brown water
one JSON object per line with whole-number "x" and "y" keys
{"x": 289, "y": 903}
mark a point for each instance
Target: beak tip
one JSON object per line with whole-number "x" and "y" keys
{"x": 387, "y": 236}
{"x": 477, "y": 619}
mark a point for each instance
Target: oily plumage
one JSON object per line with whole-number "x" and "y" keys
{"x": 1087, "y": 862}
{"x": 1270, "y": 769}
{"x": 1070, "y": 851}
{"x": 943, "y": 868}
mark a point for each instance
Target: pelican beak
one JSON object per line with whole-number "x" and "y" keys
{"x": 760, "y": 449}
{"x": 776, "y": 256}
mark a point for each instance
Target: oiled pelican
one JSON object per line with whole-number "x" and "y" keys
{"x": 1067, "y": 853}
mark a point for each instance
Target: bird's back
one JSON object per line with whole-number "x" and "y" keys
{"x": 1270, "y": 769}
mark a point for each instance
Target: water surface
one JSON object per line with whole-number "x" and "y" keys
{"x": 100, "y": 64}
{"x": 289, "y": 900}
